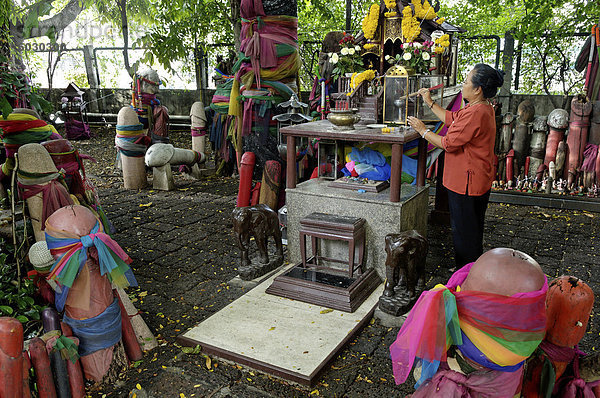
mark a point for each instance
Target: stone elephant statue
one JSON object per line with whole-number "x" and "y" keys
{"x": 260, "y": 222}
{"x": 406, "y": 253}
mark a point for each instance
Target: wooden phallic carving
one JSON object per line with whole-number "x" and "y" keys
{"x": 261, "y": 223}
{"x": 405, "y": 271}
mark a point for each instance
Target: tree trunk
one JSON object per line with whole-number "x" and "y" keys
{"x": 122, "y": 4}
{"x": 58, "y": 22}
{"x": 237, "y": 22}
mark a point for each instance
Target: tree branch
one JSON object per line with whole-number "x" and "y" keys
{"x": 60, "y": 20}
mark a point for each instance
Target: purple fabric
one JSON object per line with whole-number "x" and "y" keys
{"x": 247, "y": 118}
{"x": 77, "y": 130}
{"x": 573, "y": 386}
{"x": 482, "y": 383}
{"x": 199, "y": 131}
{"x": 219, "y": 98}
{"x": 589, "y": 157}
{"x": 559, "y": 354}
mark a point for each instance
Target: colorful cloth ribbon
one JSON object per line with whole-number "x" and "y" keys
{"x": 67, "y": 346}
{"x": 22, "y": 128}
{"x": 73, "y": 251}
{"x": 99, "y": 332}
{"x": 504, "y": 329}
{"x": 131, "y": 140}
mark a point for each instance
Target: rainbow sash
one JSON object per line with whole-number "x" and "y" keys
{"x": 493, "y": 330}
{"x": 113, "y": 261}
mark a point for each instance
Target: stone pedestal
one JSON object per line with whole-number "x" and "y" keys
{"x": 382, "y": 216}
{"x": 163, "y": 178}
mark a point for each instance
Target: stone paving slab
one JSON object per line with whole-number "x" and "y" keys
{"x": 288, "y": 338}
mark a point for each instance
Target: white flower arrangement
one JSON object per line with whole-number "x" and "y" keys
{"x": 415, "y": 55}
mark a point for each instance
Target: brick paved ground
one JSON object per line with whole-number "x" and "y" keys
{"x": 184, "y": 255}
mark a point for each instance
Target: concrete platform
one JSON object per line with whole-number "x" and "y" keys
{"x": 283, "y": 337}
{"x": 382, "y": 216}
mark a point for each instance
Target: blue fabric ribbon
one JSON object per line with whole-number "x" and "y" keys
{"x": 99, "y": 332}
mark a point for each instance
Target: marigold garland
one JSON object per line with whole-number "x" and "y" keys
{"x": 441, "y": 44}
{"x": 390, "y": 4}
{"x": 410, "y": 25}
{"x": 390, "y": 14}
{"x": 371, "y": 21}
{"x": 423, "y": 11}
{"x": 370, "y": 46}
{"x": 358, "y": 78}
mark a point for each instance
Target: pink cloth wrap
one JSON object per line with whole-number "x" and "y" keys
{"x": 589, "y": 157}
{"x": 479, "y": 384}
{"x": 54, "y": 196}
{"x": 199, "y": 131}
{"x": 259, "y": 37}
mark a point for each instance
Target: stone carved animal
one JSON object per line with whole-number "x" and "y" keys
{"x": 260, "y": 222}
{"x": 406, "y": 253}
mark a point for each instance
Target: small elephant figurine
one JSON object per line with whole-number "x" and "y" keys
{"x": 406, "y": 253}
{"x": 260, "y": 222}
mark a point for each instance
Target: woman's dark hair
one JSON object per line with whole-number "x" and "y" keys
{"x": 488, "y": 78}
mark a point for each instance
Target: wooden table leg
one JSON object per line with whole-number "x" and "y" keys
{"x": 421, "y": 162}
{"x": 291, "y": 162}
{"x": 396, "y": 177}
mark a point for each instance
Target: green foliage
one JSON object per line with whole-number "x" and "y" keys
{"x": 14, "y": 83}
{"x": 17, "y": 302}
{"x": 542, "y": 29}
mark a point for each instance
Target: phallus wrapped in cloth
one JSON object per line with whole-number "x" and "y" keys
{"x": 492, "y": 310}
{"x": 68, "y": 238}
{"x": 87, "y": 261}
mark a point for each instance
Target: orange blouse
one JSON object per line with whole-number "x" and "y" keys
{"x": 469, "y": 146}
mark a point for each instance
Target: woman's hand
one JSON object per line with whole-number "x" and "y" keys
{"x": 417, "y": 124}
{"x": 426, "y": 95}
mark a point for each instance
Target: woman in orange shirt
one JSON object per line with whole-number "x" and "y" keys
{"x": 469, "y": 162}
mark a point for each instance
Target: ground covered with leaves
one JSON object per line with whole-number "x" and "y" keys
{"x": 185, "y": 255}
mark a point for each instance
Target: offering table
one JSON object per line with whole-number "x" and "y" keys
{"x": 324, "y": 129}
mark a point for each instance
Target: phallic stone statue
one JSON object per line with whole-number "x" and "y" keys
{"x": 405, "y": 271}
{"x": 261, "y": 223}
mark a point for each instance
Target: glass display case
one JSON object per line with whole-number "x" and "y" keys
{"x": 436, "y": 84}
{"x": 398, "y": 104}
{"x": 327, "y": 153}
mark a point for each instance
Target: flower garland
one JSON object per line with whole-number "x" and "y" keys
{"x": 390, "y": 4}
{"x": 423, "y": 11}
{"x": 369, "y": 24}
{"x": 358, "y": 78}
{"x": 441, "y": 44}
{"x": 370, "y": 46}
{"x": 410, "y": 25}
